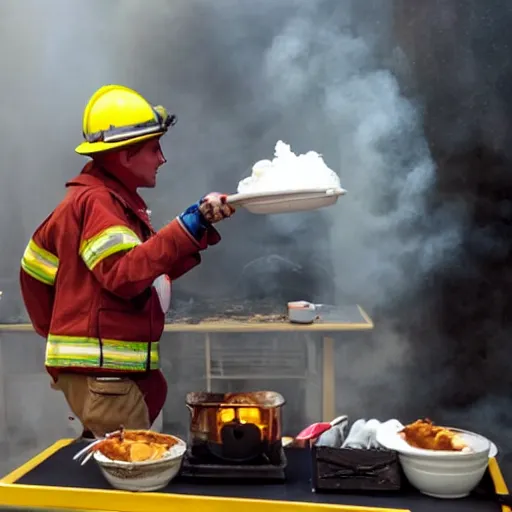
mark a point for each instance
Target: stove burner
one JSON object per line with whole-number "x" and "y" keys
{"x": 260, "y": 468}
{"x": 235, "y": 435}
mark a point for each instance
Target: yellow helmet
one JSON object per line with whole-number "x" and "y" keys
{"x": 117, "y": 116}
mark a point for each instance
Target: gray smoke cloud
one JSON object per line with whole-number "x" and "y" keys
{"x": 241, "y": 77}
{"x": 327, "y": 76}
{"x": 375, "y": 138}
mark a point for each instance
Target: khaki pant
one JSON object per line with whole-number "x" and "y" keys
{"x": 104, "y": 405}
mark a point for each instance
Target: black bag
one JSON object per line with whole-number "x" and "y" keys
{"x": 352, "y": 470}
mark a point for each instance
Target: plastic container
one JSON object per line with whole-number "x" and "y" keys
{"x": 302, "y": 312}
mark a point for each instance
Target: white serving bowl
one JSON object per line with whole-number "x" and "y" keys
{"x": 441, "y": 482}
{"x": 441, "y": 474}
{"x": 143, "y": 476}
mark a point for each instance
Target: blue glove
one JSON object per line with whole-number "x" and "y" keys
{"x": 194, "y": 222}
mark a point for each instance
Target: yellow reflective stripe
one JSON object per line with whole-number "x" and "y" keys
{"x": 74, "y": 351}
{"x": 106, "y": 243}
{"x": 39, "y": 263}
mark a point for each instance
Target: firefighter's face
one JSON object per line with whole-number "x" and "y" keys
{"x": 143, "y": 162}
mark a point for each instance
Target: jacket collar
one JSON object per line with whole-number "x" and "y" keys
{"x": 93, "y": 176}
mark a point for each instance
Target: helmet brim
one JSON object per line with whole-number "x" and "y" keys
{"x": 93, "y": 148}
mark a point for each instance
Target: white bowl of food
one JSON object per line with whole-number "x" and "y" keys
{"x": 452, "y": 465}
{"x": 140, "y": 460}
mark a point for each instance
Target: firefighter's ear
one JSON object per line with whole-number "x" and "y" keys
{"x": 124, "y": 158}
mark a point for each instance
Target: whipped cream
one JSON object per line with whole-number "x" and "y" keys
{"x": 288, "y": 171}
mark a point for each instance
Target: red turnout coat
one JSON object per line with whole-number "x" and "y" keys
{"x": 90, "y": 279}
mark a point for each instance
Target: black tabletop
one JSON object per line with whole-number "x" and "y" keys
{"x": 60, "y": 470}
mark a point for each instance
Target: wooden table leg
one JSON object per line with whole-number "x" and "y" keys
{"x": 208, "y": 361}
{"x": 3, "y": 391}
{"x": 328, "y": 380}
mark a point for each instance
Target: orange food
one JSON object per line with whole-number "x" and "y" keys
{"x": 424, "y": 434}
{"x": 136, "y": 446}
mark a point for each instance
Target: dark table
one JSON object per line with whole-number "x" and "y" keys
{"x": 53, "y": 480}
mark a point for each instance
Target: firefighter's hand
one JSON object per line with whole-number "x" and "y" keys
{"x": 214, "y": 208}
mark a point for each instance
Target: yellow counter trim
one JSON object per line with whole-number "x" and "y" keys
{"x": 28, "y": 466}
{"x": 499, "y": 482}
{"x": 30, "y": 496}
{"x": 35, "y": 496}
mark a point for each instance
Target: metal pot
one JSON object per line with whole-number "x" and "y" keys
{"x": 234, "y": 426}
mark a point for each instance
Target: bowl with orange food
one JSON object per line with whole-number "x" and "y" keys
{"x": 443, "y": 462}
{"x": 139, "y": 460}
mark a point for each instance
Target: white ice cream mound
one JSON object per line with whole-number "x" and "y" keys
{"x": 288, "y": 171}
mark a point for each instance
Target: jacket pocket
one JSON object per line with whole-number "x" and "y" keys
{"x": 109, "y": 387}
{"x": 112, "y": 404}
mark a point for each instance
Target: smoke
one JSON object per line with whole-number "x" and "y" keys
{"x": 327, "y": 76}
{"x": 458, "y": 61}
{"x": 384, "y": 228}
{"x": 240, "y": 78}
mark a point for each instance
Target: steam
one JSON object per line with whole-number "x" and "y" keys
{"x": 384, "y": 225}
{"x": 288, "y": 171}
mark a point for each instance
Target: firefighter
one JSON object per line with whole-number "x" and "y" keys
{"x": 96, "y": 277}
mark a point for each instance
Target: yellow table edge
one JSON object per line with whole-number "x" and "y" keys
{"x": 35, "y": 496}
{"x": 12, "y": 494}
{"x": 233, "y": 326}
{"x": 499, "y": 482}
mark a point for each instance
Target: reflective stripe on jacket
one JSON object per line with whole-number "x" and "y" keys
{"x": 73, "y": 351}
{"x": 106, "y": 243}
{"x": 40, "y": 264}
{"x": 88, "y": 277}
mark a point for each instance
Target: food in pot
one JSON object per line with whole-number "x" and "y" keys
{"x": 136, "y": 446}
{"x": 424, "y": 434}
